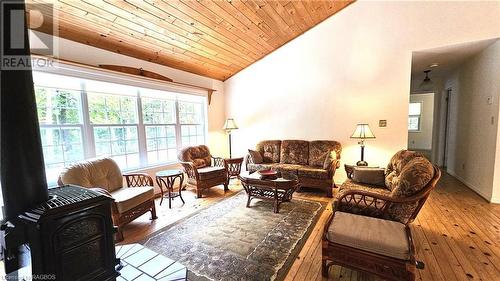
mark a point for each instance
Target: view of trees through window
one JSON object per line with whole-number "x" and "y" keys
{"x": 76, "y": 125}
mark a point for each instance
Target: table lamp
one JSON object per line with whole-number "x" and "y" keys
{"x": 362, "y": 132}
{"x": 229, "y": 126}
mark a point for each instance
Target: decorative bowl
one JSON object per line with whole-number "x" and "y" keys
{"x": 268, "y": 173}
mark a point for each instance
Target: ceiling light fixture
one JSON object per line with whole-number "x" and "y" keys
{"x": 427, "y": 84}
{"x": 432, "y": 65}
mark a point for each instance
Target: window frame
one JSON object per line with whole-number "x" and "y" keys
{"x": 89, "y": 146}
{"x": 418, "y": 116}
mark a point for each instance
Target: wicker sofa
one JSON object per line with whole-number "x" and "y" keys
{"x": 314, "y": 162}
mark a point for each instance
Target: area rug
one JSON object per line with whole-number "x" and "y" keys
{"x": 228, "y": 241}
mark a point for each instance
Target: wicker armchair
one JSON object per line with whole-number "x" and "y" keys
{"x": 366, "y": 219}
{"x": 203, "y": 170}
{"x": 104, "y": 174}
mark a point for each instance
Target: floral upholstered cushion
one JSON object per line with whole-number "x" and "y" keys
{"x": 320, "y": 149}
{"x": 257, "y": 167}
{"x": 414, "y": 176}
{"x": 294, "y": 152}
{"x": 197, "y": 155}
{"x": 199, "y": 163}
{"x": 396, "y": 164}
{"x": 288, "y": 168}
{"x": 313, "y": 172}
{"x": 349, "y": 184}
{"x": 408, "y": 172}
{"x": 270, "y": 150}
{"x": 256, "y": 156}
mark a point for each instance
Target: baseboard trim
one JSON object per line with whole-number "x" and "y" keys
{"x": 472, "y": 187}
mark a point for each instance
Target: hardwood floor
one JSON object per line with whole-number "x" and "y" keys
{"x": 457, "y": 234}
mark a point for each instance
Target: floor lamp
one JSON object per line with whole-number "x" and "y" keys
{"x": 229, "y": 126}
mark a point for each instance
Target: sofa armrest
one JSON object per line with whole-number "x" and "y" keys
{"x": 248, "y": 160}
{"x": 138, "y": 179}
{"x": 333, "y": 167}
{"x": 190, "y": 170}
{"x": 217, "y": 161}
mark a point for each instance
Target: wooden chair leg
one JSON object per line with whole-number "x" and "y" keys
{"x": 324, "y": 268}
{"x": 119, "y": 234}
{"x": 226, "y": 188}
{"x": 329, "y": 192}
{"x": 153, "y": 210}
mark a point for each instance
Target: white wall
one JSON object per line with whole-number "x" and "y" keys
{"x": 353, "y": 67}
{"x": 217, "y": 139}
{"x": 473, "y": 149}
{"x": 422, "y": 139}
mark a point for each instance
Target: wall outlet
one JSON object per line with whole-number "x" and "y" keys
{"x": 489, "y": 100}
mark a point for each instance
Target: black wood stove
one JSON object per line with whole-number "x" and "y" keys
{"x": 70, "y": 236}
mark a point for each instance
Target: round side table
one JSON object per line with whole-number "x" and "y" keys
{"x": 166, "y": 179}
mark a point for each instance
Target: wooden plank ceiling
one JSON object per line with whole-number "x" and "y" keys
{"x": 210, "y": 38}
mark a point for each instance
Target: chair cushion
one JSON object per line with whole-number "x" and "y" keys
{"x": 128, "y": 198}
{"x": 374, "y": 235}
{"x": 255, "y": 156}
{"x": 319, "y": 150}
{"x": 313, "y": 172}
{"x": 375, "y": 176}
{"x": 199, "y": 155}
{"x": 287, "y": 168}
{"x": 211, "y": 172}
{"x": 101, "y": 172}
{"x": 294, "y": 152}
{"x": 270, "y": 150}
{"x": 349, "y": 184}
{"x": 263, "y": 166}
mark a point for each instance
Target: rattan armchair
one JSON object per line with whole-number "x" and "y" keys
{"x": 202, "y": 169}
{"x": 104, "y": 174}
{"x": 380, "y": 206}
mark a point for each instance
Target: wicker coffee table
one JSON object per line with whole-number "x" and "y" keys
{"x": 278, "y": 189}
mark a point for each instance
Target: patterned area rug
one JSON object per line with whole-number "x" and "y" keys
{"x": 228, "y": 241}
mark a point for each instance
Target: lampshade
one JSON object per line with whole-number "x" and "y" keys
{"x": 362, "y": 132}
{"x": 230, "y": 125}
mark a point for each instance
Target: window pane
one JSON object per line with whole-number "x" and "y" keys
{"x": 413, "y": 123}
{"x": 112, "y": 109}
{"x": 190, "y": 113}
{"x": 157, "y": 143}
{"x": 61, "y": 146}
{"x": 158, "y": 111}
{"x": 415, "y": 108}
{"x": 116, "y": 142}
{"x": 58, "y": 106}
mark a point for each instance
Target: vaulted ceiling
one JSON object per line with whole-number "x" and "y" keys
{"x": 210, "y": 38}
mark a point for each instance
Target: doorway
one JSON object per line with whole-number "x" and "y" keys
{"x": 421, "y": 123}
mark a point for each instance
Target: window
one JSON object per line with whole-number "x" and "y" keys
{"x": 160, "y": 123}
{"x": 60, "y": 117}
{"x": 192, "y": 129}
{"x": 414, "y": 114}
{"x": 114, "y": 124}
{"x": 137, "y": 127}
